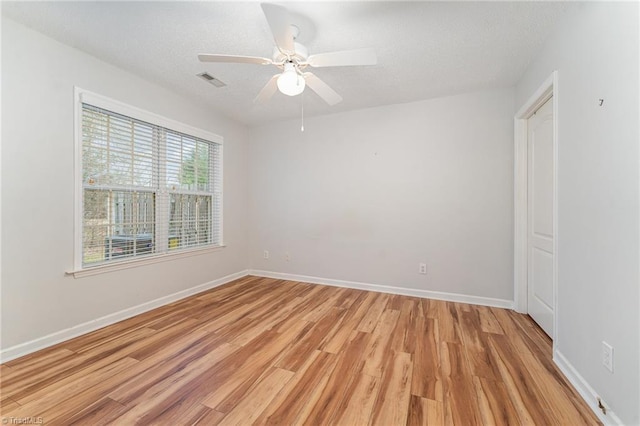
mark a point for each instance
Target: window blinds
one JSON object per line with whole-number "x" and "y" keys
{"x": 146, "y": 189}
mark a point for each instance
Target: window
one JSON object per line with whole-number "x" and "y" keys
{"x": 149, "y": 186}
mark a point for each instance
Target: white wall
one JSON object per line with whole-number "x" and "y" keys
{"x": 38, "y": 76}
{"x": 596, "y": 55}
{"x": 366, "y": 195}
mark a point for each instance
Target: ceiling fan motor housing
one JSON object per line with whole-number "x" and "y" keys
{"x": 301, "y": 54}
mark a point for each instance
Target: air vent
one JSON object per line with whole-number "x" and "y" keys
{"x": 211, "y": 79}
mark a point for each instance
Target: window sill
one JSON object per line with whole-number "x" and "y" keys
{"x": 134, "y": 263}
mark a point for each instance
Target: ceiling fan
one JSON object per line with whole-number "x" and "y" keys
{"x": 292, "y": 59}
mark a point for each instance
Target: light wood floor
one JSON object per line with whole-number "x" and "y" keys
{"x": 260, "y": 351}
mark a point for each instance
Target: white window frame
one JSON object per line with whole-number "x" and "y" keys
{"x": 84, "y": 96}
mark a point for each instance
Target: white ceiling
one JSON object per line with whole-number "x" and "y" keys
{"x": 425, "y": 49}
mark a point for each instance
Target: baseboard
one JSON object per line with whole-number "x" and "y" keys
{"x": 89, "y": 326}
{"x": 585, "y": 390}
{"x": 450, "y": 297}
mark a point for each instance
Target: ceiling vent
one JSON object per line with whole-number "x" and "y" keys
{"x": 211, "y": 79}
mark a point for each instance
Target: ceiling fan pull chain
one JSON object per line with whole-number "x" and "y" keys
{"x": 302, "y": 112}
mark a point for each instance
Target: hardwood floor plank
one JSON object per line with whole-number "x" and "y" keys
{"x": 535, "y": 334}
{"x": 349, "y": 297}
{"x": 352, "y": 318}
{"x": 37, "y": 357}
{"x": 488, "y": 322}
{"x": 211, "y": 418}
{"x": 373, "y": 313}
{"x": 4, "y": 370}
{"x": 239, "y": 288}
{"x": 329, "y": 302}
{"x": 326, "y": 326}
{"x": 229, "y": 303}
{"x": 435, "y": 412}
{"x": 236, "y": 375}
{"x": 405, "y": 334}
{"x": 462, "y": 307}
{"x": 34, "y": 365}
{"x": 418, "y": 409}
{"x": 392, "y": 404}
{"x": 260, "y": 350}
{"x": 427, "y": 377}
{"x": 297, "y": 401}
{"x": 285, "y": 396}
{"x": 164, "y": 394}
{"x": 266, "y": 321}
{"x": 557, "y": 397}
{"x": 520, "y": 385}
{"x": 356, "y": 409}
{"x": 395, "y": 302}
{"x": 286, "y": 294}
{"x": 459, "y": 399}
{"x": 309, "y": 302}
{"x": 240, "y": 311}
{"x": 302, "y": 289}
{"x": 425, "y": 412}
{"x": 115, "y": 331}
{"x": 8, "y": 405}
{"x": 258, "y": 399}
{"x": 102, "y": 412}
{"x": 431, "y": 308}
{"x": 21, "y": 386}
{"x": 449, "y": 322}
{"x": 476, "y": 346}
{"x": 51, "y": 405}
{"x": 125, "y": 343}
{"x": 281, "y": 301}
{"x": 279, "y": 308}
{"x": 160, "y": 340}
{"x": 378, "y": 349}
{"x": 348, "y": 367}
{"x": 495, "y": 406}
{"x": 163, "y": 364}
{"x": 185, "y": 411}
{"x": 179, "y": 314}
{"x": 30, "y": 374}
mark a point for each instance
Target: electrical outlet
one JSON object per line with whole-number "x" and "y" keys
{"x": 287, "y": 257}
{"x": 422, "y": 268}
{"x": 265, "y": 254}
{"x": 607, "y": 356}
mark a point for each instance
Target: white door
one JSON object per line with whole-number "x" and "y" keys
{"x": 541, "y": 229}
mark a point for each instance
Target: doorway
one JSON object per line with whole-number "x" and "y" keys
{"x": 535, "y": 244}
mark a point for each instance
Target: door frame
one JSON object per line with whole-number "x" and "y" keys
{"x": 520, "y": 262}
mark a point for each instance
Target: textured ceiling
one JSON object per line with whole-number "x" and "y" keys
{"x": 425, "y": 49}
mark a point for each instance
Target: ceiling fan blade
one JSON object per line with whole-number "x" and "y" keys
{"x": 322, "y": 89}
{"x": 209, "y": 57}
{"x": 267, "y": 91}
{"x": 278, "y": 19}
{"x": 344, "y": 58}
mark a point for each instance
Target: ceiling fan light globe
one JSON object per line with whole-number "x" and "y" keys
{"x": 290, "y": 83}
